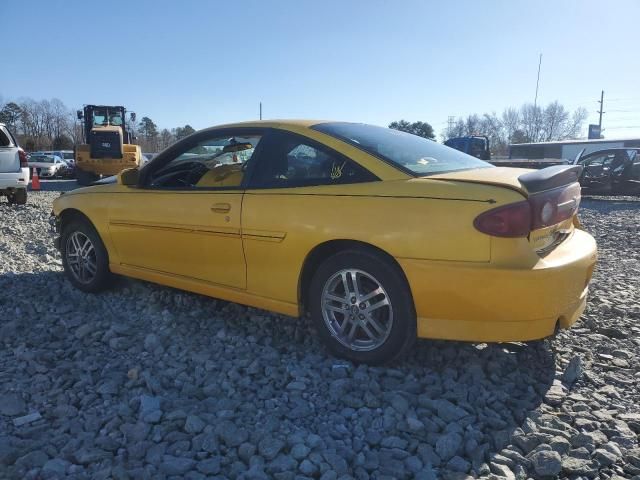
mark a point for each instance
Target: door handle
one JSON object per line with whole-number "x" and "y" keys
{"x": 221, "y": 208}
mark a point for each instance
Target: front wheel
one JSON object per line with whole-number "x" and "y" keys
{"x": 84, "y": 257}
{"x": 362, "y": 307}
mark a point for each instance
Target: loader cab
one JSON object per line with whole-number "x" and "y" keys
{"x": 105, "y": 130}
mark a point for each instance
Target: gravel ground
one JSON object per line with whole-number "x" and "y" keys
{"x": 150, "y": 382}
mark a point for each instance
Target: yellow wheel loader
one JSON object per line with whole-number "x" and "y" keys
{"x": 108, "y": 147}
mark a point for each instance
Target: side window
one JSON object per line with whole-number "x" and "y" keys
{"x": 217, "y": 162}
{"x": 290, "y": 160}
{"x": 5, "y": 140}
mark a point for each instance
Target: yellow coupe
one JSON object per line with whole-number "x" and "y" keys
{"x": 380, "y": 236}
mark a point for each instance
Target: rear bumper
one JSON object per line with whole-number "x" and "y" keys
{"x": 14, "y": 180}
{"x": 484, "y": 303}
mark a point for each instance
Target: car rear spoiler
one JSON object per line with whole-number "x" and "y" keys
{"x": 550, "y": 177}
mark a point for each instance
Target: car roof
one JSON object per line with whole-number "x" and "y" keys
{"x": 273, "y": 123}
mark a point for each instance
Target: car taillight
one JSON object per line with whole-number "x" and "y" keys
{"x": 513, "y": 220}
{"x": 24, "y": 161}
{"x": 554, "y": 206}
{"x": 539, "y": 211}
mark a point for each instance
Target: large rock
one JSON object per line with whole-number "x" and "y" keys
{"x": 448, "y": 445}
{"x": 176, "y": 465}
{"x": 12, "y": 405}
{"x": 546, "y": 463}
{"x": 578, "y": 466}
{"x": 210, "y": 466}
{"x": 193, "y": 424}
{"x": 573, "y": 371}
{"x": 270, "y": 447}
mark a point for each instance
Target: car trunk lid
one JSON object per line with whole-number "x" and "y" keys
{"x": 553, "y": 194}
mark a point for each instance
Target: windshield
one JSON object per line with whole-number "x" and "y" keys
{"x": 41, "y": 159}
{"x": 99, "y": 118}
{"x": 416, "y": 155}
{"x": 104, "y": 116}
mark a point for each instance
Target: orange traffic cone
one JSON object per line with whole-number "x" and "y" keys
{"x": 35, "y": 181}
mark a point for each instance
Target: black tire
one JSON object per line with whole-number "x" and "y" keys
{"x": 102, "y": 278}
{"x": 373, "y": 268}
{"x": 17, "y": 197}
{"x": 20, "y": 196}
{"x": 86, "y": 178}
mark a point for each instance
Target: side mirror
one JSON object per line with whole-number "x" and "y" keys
{"x": 79, "y": 114}
{"x": 132, "y": 116}
{"x": 129, "y": 177}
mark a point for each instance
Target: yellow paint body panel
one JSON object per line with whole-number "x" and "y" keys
{"x": 250, "y": 246}
{"x": 131, "y": 155}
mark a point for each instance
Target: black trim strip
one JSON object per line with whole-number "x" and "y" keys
{"x": 268, "y": 192}
{"x": 177, "y": 228}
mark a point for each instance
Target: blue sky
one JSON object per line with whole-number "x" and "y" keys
{"x": 211, "y": 62}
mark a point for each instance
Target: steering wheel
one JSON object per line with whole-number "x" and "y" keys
{"x": 195, "y": 173}
{"x": 185, "y": 174}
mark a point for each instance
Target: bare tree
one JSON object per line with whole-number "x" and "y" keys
{"x": 49, "y": 124}
{"x": 529, "y": 123}
{"x": 166, "y": 138}
{"x": 510, "y": 123}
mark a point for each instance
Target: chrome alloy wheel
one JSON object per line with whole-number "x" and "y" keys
{"x": 81, "y": 257}
{"x": 357, "y": 310}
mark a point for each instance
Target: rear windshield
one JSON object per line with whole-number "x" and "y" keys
{"x": 41, "y": 159}
{"x": 415, "y": 155}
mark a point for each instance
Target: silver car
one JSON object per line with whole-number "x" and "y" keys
{"x": 47, "y": 166}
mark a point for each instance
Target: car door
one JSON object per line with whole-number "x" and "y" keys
{"x": 184, "y": 219}
{"x": 285, "y": 208}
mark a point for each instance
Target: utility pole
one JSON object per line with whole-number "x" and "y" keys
{"x": 601, "y": 102}
{"x": 260, "y": 110}
{"x": 450, "y": 121}
{"x": 535, "y": 100}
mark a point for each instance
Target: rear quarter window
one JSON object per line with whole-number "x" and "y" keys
{"x": 6, "y": 140}
{"x": 412, "y": 154}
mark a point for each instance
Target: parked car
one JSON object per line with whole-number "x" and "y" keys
{"x": 380, "y": 236}
{"x": 47, "y": 166}
{"x": 614, "y": 171}
{"x": 14, "y": 171}
{"x": 66, "y": 155}
{"x": 68, "y": 170}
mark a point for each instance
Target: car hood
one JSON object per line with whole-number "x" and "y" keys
{"x": 498, "y": 176}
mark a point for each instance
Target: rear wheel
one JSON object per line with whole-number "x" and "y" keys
{"x": 362, "y": 308}
{"x": 84, "y": 257}
{"x": 17, "y": 197}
